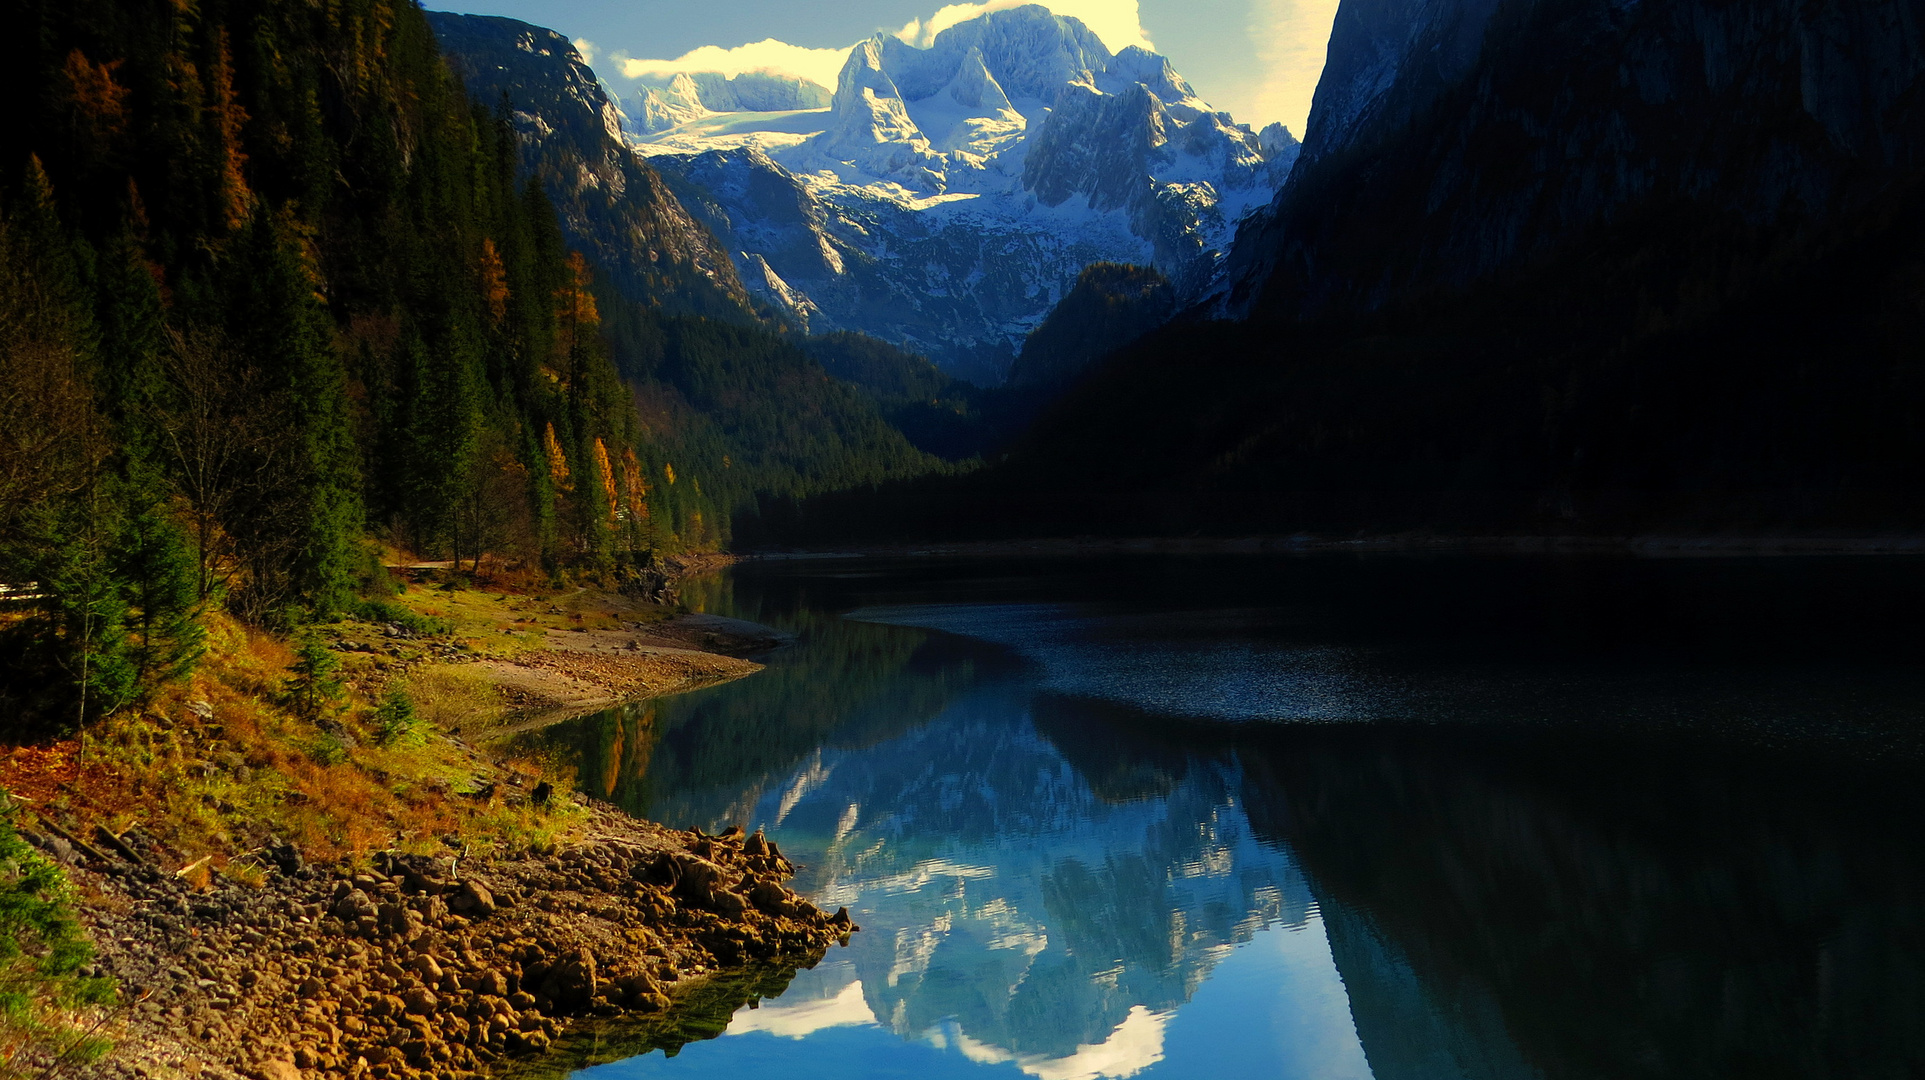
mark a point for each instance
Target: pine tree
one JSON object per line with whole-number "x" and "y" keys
{"x": 313, "y": 685}
{"x": 396, "y": 724}
{"x": 57, "y": 527}
{"x": 84, "y": 625}
{"x": 274, "y": 304}
{"x": 450, "y": 437}
{"x": 132, "y": 335}
{"x": 157, "y": 565}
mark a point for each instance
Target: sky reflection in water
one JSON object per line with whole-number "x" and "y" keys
{"x": 1067, "y": 867}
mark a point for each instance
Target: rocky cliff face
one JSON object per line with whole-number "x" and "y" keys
{"x": 957, "y": 191}
{"x": 613, "y": 206}
{"x": 1455, "y": 140}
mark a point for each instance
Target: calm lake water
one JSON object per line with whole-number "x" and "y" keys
{"x": 1320, "y": 817}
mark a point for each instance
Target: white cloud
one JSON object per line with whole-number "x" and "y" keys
{"x": 799, "y": 1019}
{"x": 818, "y": 65}
{"x": 1135, "y": 1045}
{"x": 1291, "y": 39}
{"x": 1115, "y": 21}
{"x": 586, "y": 48}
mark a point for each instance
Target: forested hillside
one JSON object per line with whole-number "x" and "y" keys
{"x": 1111, "y": 306}
{"x": 276, "y": 289}
{"x": 755, "y": 412}
{"x": 748, "y": 415}
{"x": 613, "y": 206}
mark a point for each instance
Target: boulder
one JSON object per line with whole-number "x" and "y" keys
{"x": 572, "y": 982}
{"x": 473, "y": 898}
{"x": 772, "y": 898}
{"x": 697, "y": 880}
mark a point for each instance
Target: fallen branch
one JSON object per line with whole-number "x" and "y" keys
{"x": 193, "y": 866}
{"x": 79, "y": 845}
{"x": 107, "y": 837}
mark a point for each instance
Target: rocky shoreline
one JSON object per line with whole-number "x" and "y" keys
{"x": 420, "y": 968}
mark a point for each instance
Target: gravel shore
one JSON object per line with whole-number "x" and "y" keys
{"x": 425, "y": 968}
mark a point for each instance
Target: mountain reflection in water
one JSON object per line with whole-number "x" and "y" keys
{"x": 1657, "y": 821}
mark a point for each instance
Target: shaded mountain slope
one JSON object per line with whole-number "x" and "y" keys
{"x": 1453, "y": 141}
{"x": 613, "y": 206}
{"x": 1590, "y": 268}
{"x": 1111, "y": 306}
{"x": 744, "y": 411}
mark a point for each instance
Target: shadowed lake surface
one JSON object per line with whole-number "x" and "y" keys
{"x": 1319, "y": 817}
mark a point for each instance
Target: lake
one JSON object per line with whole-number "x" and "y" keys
{"x": 1320, "y": 816}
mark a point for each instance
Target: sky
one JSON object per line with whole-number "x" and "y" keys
{"x": 1257, "y": 59}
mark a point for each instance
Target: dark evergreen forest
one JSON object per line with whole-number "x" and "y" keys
{"x": 277, "y": 292}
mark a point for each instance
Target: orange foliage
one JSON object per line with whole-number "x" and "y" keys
{"x": 575, "y": 305}
{"x": 229, "y": 118}
{"x": 607, "y": 476}
{"x": 557, "y": 461}
{"x": 36, "y": 774}
{"x": 96, "y": 95}
{"x": 494, "y": 281}
{"x": 636, "y": 485}
{"x": 579, "y": 302}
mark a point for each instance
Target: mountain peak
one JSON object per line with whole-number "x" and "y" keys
{"x": 975, "y": 88}
{"x": 864, "y": 71}
{"x": 1031, "y": 51}
{"x": 870, "y": 127}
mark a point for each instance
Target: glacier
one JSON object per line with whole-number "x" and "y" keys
{"x": 946, "y": 198}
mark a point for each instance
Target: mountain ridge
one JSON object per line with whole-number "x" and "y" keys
{"x": 613, "y": 205}
{"x": 1600, "y": 269}
{"x": 957, "y": 191}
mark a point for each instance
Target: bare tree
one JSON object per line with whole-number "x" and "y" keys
{"x": 493, "y": 515}
{"x": 216, "y": 427}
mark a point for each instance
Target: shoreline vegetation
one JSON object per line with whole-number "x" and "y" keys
{"x": 374, "y": 884}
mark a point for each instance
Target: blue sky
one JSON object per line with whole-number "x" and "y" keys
{"x": 1258, "y": 59}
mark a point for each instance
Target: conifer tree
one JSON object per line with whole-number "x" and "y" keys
{"x": 80, "y": 628}
{"x": 57, "y": 528}
{"x": 313, "y": 684}
{"x": 43, "y": 950}
{"x": 132, "y": 335}
{"x": 317, "y": 492}
{"x": 157, "y": 565}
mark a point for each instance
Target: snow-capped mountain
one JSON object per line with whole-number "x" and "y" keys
{"x": 946, "y": 198}
{"x": 686, "y": 97}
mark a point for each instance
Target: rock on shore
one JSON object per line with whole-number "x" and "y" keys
{"x": 425, "y": 968}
